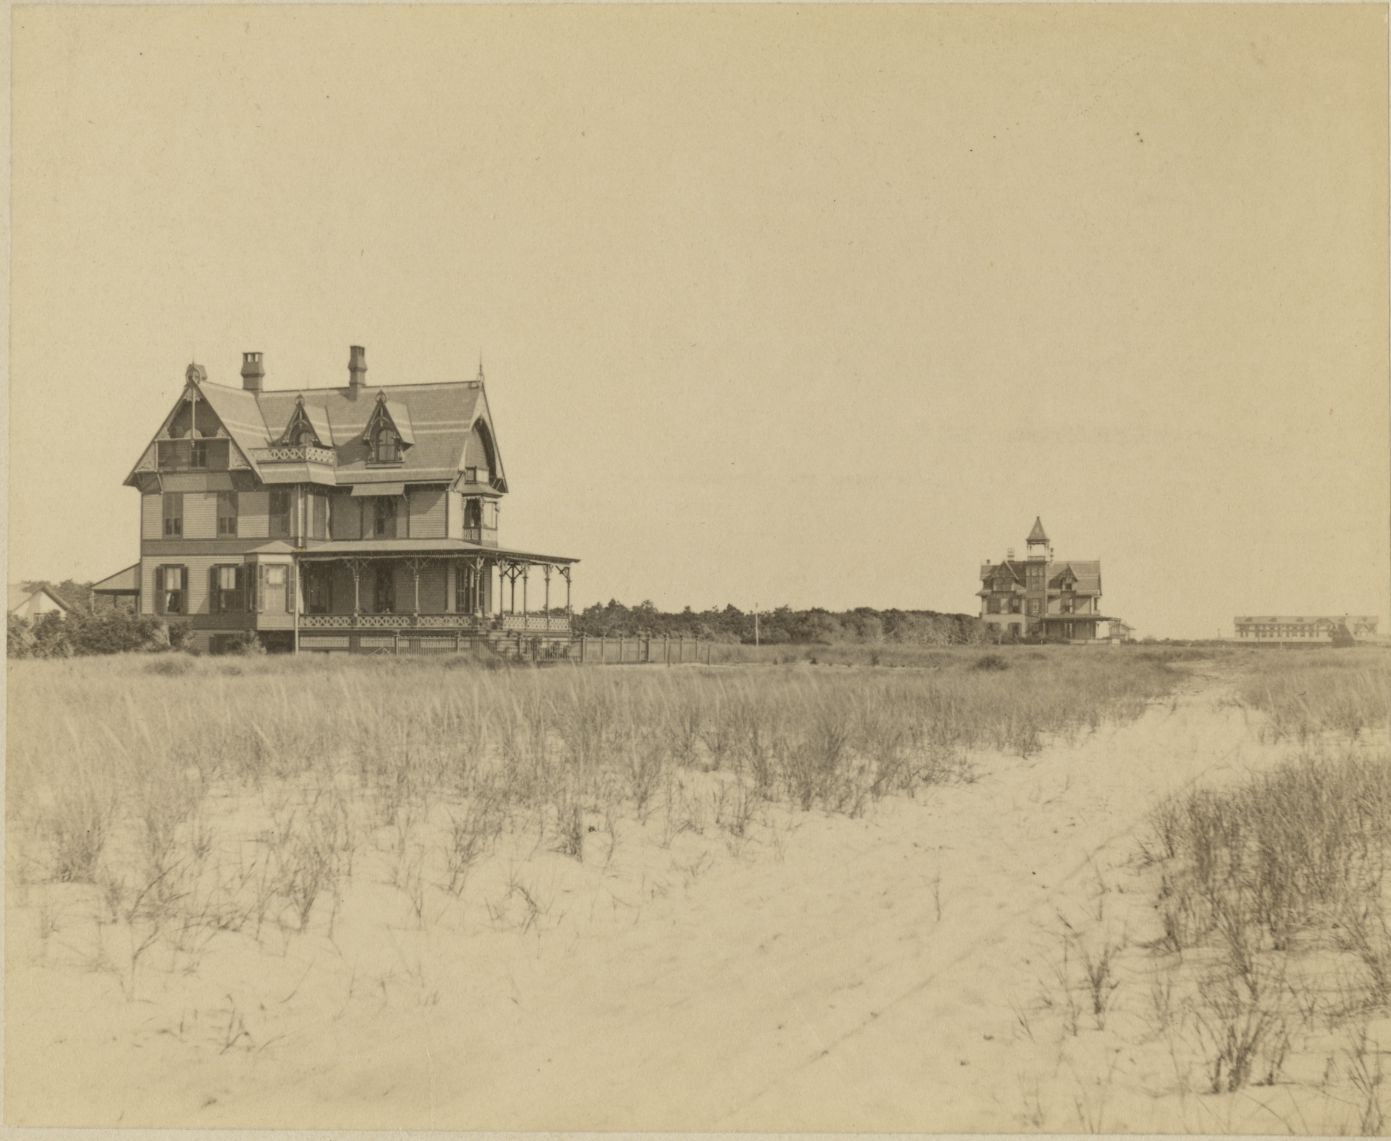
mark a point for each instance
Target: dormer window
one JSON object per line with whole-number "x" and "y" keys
{"x": 386, "y": 445}
{"x": 308, "y": 426}
{"x": 388, "y": 432}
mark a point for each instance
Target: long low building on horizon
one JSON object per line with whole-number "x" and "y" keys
{"x": 1304, "y": 629}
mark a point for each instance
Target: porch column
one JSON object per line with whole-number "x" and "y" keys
{"x": 526, "y": 574}
{"x": 546, "y": 570}
{"x": 477, "y": 598}
{"x": 414, "y": 565}
{"x": 355, "y": 565}
{"x": 565, "y": 574}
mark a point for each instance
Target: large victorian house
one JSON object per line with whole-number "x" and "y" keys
{"x": 1040, "y": 596}
{"x": 349, "y": 518}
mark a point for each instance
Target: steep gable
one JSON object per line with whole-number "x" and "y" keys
{"x": 203, "y": 412}
{"x": 308, "y": 423}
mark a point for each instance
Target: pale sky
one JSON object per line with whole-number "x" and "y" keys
{"x": 817, "y": 306}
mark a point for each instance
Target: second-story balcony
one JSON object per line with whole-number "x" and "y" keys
{"x": 294, "y": 454}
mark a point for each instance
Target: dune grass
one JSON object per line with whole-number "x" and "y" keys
{"x": 1273, "y": 944}
{"x": 1306, "y": 694}
{"x": 199, "y": 795}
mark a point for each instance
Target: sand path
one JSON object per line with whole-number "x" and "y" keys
{"x": 842, "y": 975}
{"x": 868, "y": 979}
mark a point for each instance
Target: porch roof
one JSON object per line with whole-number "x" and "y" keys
{"x": 369, "y": 548}
{"x": 122, "y": 582}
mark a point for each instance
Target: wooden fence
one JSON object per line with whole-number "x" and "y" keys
{"x": 515, "y": 645}
{"x": 638, "y": 650}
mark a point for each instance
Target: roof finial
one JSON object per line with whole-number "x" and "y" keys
{"x": 480, "y": 364}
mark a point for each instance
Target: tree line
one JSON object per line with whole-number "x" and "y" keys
{"x": 782, "y": 624}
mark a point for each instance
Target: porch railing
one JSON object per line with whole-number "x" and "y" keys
{"x": 537, "y": 623}
{"x": 526, "y": 623}
{"x": 293, "y": 454}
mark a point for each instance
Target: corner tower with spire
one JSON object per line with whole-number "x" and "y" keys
{"x": 1041, "y": 597}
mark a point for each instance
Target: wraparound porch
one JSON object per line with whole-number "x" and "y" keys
{"x": 436, "y": 592}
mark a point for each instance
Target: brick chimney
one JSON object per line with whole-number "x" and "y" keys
{"x": 253, "y": 373}
{"x": 357, "y": 367}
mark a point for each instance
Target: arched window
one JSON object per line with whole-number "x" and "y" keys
{"x": 480, "y": 463}
{"x": 386, "y": 445}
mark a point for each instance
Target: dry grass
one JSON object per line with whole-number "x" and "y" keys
{"x": 235, "y": 795}
{"x": 1271, "y": 894}
{"x": 1312, "y": 693}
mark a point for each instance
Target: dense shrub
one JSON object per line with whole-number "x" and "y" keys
{"x": 90, "y": 632}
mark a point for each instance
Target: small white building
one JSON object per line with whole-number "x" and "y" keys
{"x": 32, "y": 604}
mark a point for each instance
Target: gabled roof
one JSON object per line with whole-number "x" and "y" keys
{"x": 315, "y": 415}
{"x": 1086, "y": 571}
{"x": 438, "y": 418}
{"x": 400, "y": 420}
{"x": 18, "y": 597}
{"x": 1037, "y": 535}
{"x": 234, "y": 408}
{"x": 434, "y": 420}
{"x": 992, "y": 570}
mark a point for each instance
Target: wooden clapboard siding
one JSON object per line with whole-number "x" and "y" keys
{"x": 198, "y": 481}
{"x": 200, "y": 514}
{"x": 454, "y": 511}
{"x": 253, "y": 515}
{"x": 147, "y": 584}
{"x": 151, "y": 516}
{"x": 427, "y": 512}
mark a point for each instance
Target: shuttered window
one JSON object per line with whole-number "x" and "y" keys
{"x": 225, "y": 595}
{"x": 273, "y": 595}
{"x": 171, "y": 589}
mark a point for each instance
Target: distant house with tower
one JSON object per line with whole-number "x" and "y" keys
{"x": 1042, "y": 596}
{"x": 341, "y": 518}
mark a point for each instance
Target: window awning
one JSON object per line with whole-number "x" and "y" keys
{"x": 379, "y": 489}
